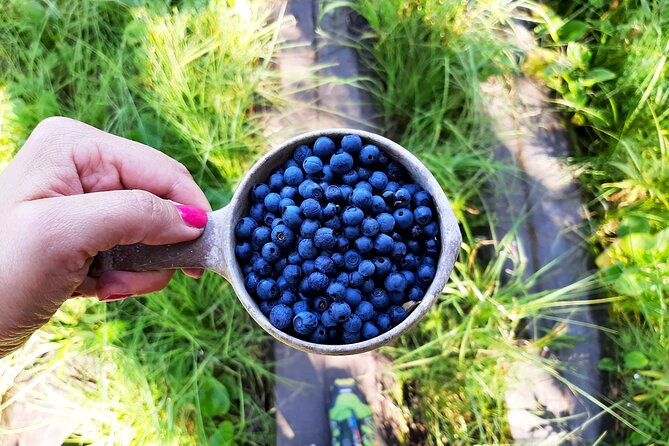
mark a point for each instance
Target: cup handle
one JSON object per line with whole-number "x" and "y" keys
{"x": 140, "y": 257}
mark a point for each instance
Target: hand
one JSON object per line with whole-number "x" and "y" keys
{"x": 71, "y": 192}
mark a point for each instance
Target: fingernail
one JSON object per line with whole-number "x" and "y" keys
{"x": 193, "y": 216}
{"x": 195, "y": 273}
{"x": 113, "y": 297}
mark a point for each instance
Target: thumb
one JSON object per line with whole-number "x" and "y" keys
{"x": 98, "y": 221}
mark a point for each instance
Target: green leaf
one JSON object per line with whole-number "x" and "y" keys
{"x": 607, "y": 364}
{"x": 223, "y": 435}
{"x": 596, "y": 76}
{"x": 573, "y": 30}
{"x": 214, "y": 398}
{"x": 631, "y": 224}
{"x": 635, "y": 360}
{"x": 630, "y": 282}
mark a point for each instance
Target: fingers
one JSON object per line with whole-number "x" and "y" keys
{"x": 95, "y": 222}
{"x": 104, "y": 162}
{"x": 116, "y": 285}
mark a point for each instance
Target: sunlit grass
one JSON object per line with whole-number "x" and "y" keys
{"x": 185, "y": 366}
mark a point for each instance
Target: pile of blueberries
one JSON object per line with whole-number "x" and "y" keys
{"x": 336, "y": 241}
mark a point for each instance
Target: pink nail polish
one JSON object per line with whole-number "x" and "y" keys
{"x": 193, "y": 216}
{"x": 113, "y": 297}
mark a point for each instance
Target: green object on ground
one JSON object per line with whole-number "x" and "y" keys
{"x": 351, "y": 418}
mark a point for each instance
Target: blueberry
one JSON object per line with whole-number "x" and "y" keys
{"x": 414, "y": 246}
{"x": 270, "y": 252}
{"x": 293, "y": 176}
{"x": 283, "y": 284}
{"x": 353, "y": 324}
{"x": 318, "y": 281}
{"x": 363, "y": 244}
{"x": 356, "y": 279}
{"x": 262, "y": 267}
{"x": 365, "y": 311}
{"x": 370, "y": 227}
{"x": 325, "y": 265}
{"x": 378, "y": 205}
{"x": 272, "y": 201}
{"x": 351, "y": 144}
{"x": 383, "y": 322}
{"x": 395, "y": 282}
{"x": 336, "y": 291}
{"x": 415, "y": 293}
{"x": 276, "y": 222}
{"x": 324, "y": 147}
{"x": 343, "y": 245}
{"x": 402, "y": 198}
{"x": 403, "y": 218}
{"x": 289, "y": 192}
{"x": 410, "y": 262}
{"x": 392, "y": 187}
{"x": 292, "y": 216}
{"x": 350, "y": 337}
{"x": 364, "y": 185}
{"x": 341, "y": 163}
{"x": 269, "y": 217}
{"x": 343, "y": 276}
{"x": 361, "y": 198}
{"x": 319, "y": 335}
{"x": 259, "y": 192}
{"x": 329, "y": 211}
{"x": 421, "y": 198}
{"x": 310, "y": 208}
{"x": 305, "y": 322}
{"x": 320, "y": 304}
{"x": 327, "y": 320}
{"x": 350, "y": 177}
{"x": 276, "y": 182}
{"x": 369, "y": 331}
{"x": 425, "y": 273}
{"x": 327, "y": 175}
{"x": 267, "y": 289}
{"x": 353, "y": 297}
{"x": 413, "y": 188}
{"x": 281, "y": 316}
{"x": 431, "y": 229}
{"x": 369, "y": 155}
{"x": 266, "y": 306}
{"x": 251, "y": 282}
{"x": 287, "y": 298}
{"x": 245, "y": 227}
{"x": 294, "y": 258}
{"x": 431, "y": 246}
{"x": 409, "y": 276}
{"x": 307, "y": 249}
{"x": 325, "y": 238}
{"x": 352, "y": 216}
{"x": 282, "y": 235}
{"x": 395, "y": 171}
{"x": 309, "y": 228}
{"x": 366, "y": 268}
{"x": 301, "y": 153}
{"x": 247, "y": 269}
{"x": 378, "y": 180}
{"x": 310, "y": 189}
{"x": 292, "y": 273}
{"x": 351, "y": 260}
{"x": 423, "y": 215}
{"x": 340, "y": 311}
{"x": 333, "y": 223}
{"x": 397, "y": 314}
{"x": 352, "y": 232}
{"x": 300, "y": 306}
{"x": 399, "y": 250}
{"x": 382, "y": 266}
{"x": 386, "y": 223}
{"x": 383, "y": 244}
{"x": 364, "y": 173}
{"x": 346, "y": 192}
{"x": 379, "y": 298}
{"x": 416, "y": 231}
{"x": 243, "y": 250}
{"x": 312, "y": 165}
{"x": 256, "y": 212}
{"x": 308, "y": 267}
{"x": 284, "y": 203}
{"x": 333, "y": 194}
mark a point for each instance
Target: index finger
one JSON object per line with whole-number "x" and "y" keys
{"x": 103, "y": 162}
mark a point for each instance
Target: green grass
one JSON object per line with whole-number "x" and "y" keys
{"x": 619, "y": 126}
{"x": 185, "y": 366}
